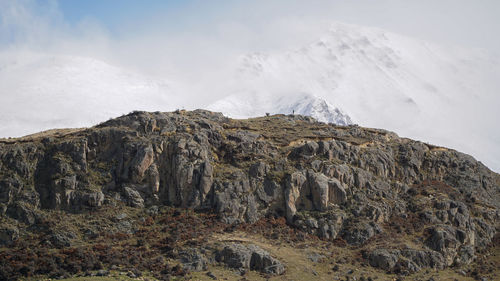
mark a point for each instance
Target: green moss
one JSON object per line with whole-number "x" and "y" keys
{"x": 277, "y": 176}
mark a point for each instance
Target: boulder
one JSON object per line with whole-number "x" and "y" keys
{"x": 93, "y": 199}
{"x": 259, "y": 169}
{"x": 8, "y": 235}
{"x": 263, "y": 262}
{"x": 192, "y": 260}
{"x": 235, "y": 255}
{"x": 294, "y": 187}
{"x": 424, "y": 258}
{"x": 61, "y": 239}
{"x": 443, "y": 240}
{"x": 319, "y": 186}
{"x": 133, "y": 197}
{"x": 251, "y": 257}
{"x": 22, "y": 212}
{"x": 384, "y": 259}
{"x": 359, "y": 233}
{"x": 336, "y": 192}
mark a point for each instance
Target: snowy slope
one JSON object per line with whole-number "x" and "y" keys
{"x": 39, "y": 92}
{"x": 303, "y": 104}
{"x": 442, "y": 95}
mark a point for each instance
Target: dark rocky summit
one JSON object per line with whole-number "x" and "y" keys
{"x": 403, "y": 204}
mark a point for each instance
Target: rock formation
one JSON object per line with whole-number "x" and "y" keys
{"x": 411, "y": 205}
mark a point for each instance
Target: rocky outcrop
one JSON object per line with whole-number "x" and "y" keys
{"x": 193, "y": 260}
{"x": 250, "y": 257}
{"x": 350, "y": 183}
{"x": 8, "y": 235}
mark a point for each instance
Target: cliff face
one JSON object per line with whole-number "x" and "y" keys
{"x": 410, "y": 205}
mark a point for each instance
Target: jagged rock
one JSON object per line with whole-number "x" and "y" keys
{"x": 406, "y": 260}
{"x": 315, "y": 257}
{"x": 465, "y": 255}
{"x": 94, "y": 199}
{"x": 211, "y": 275}
{"x": 319, "y": 188}
{"x": 259, "y": 169}
{"x": 359, "y": 233}
{"x": 330, "y": 228}
{"x": 133, "y": 197}
{"x": 307, "y": 150}
{"x": 262, "y": 261}
{"x": 125, "y": 226}
{"x": 295, "y": 184}
{"x": 384, "y": 259}
{"x": 424, "y": 258}
{"x": 8, "y": 235}
{"x": 336, "y": 192}
{"x": 251, "y": 257}
{"x": 153, "y": 210}
{"x": 61, "y": 239}
{"x": 22, "y": 212}
{"x": 193, "y": 260}
{"x": 442, "y": 239}
{"x": 142, "y": 161}
{"x": 235, "y": 255}
{"x": 335, "y": 182}
{"x": 312, "y": 223}
{"x": 9, "y": 188}
{"x": 102, "y": 272}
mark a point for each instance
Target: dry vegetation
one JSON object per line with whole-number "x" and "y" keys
{"x": 150, "y": 253}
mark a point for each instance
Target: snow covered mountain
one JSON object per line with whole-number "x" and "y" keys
{"x": 303, "y": 104}
{"x": 442, "y": 95}
{"x": 39, "y": 92}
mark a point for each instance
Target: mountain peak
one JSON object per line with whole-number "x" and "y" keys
{"x": 240, "y": 106}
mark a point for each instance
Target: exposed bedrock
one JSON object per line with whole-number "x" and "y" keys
{"x": 360, "y": 185}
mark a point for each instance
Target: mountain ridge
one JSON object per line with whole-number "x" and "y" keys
{"x": 190, "y": 194}
{"x": 375, "y": 76}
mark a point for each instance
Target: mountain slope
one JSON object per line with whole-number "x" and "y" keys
{"x": 442, "y": 95}
{"x": 190, "y": 193}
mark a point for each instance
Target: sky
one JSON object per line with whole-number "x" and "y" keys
{"x": 168, "y": 37}
{"x": 464, "y": 22}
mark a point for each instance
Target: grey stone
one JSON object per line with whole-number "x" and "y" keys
{"x": 384, "y": 259}
{"x": 319, "y": 188}
{"x": 359, "y": 233}
{"x": 259, "y": 169}
{"x": 211, "y": 275}
{"x": 235, "y": 255}
{"x": 133, "y": 197}
{"x": 102, "y": 272}
{"x": 125, "y": 226}
{"x": 331, "y": 181}
{"x": 22, "y": 212}
{"x": 251, "y": 257}
{"x": 424, "y": 258}
{"x": 62, "y": 239}
{"x": 8, "y": 235}
{"x": 193, "y": 260}
{"x": 315, "y": 257}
